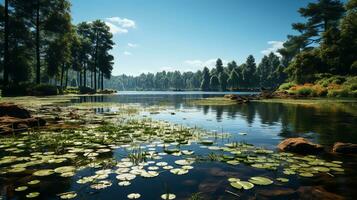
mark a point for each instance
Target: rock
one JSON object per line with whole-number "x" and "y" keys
{"x": 14, "y": 118}
{"x": 317, "y": 192}
{"x": 344, "y": 148}
{"x": 12, "y": 110}
{"x": 299, "y": 145}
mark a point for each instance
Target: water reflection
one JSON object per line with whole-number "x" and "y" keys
{"x": 325, "y": 123}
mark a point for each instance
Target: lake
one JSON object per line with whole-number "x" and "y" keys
{"x": 190, "y": 151}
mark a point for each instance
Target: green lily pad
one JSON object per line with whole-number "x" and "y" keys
{"x": 32, "y": 195}
{"x": 257, "y": 180}
{"x": 283, "y": 180}
{"x": 33, "y": 182}
{"x": 168, "y": 196}
{"x": 21, "y": 188}
{"x": 43, "y": 172}
{"x": 134, "y": 196}
{"x": 242, "y": 184}
{"x": 68, "y": 195}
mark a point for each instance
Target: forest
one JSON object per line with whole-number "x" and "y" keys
{"x": 40, "y": 47}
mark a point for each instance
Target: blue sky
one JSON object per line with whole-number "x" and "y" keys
{"x": 156, "y": 35}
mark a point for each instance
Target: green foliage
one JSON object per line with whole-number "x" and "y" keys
{"x": 214, "y": 82}
{"x": 86, "y": 90}
{"x": 286, "y": 86}
{"x": 29, "y": 89}
{"x": 44, "y": 90}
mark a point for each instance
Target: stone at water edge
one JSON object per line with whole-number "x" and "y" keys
{"x": 299, "y": 145}
{"x": 13, "y": 110}
{"x": 344, "y": 148}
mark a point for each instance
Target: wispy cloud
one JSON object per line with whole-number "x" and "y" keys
{"x": 199, "y": 64}
{"x": 274, "y": 46}
{"x": 127, "y": 53}
{"x": 119, "y": 25}
{"x": 132, "y": 45}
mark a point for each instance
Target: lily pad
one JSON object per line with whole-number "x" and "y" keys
{"x": 32, "y": 195}
{"x": 43, "y": 172}
{"x": 168, "y": 196}
{"x": 242, "y": 184}
{"x": 258, "y": 180}
{"x": 21, "y": 188}
{"x": 134, "y": 196}
{"x": 68, "y": 195}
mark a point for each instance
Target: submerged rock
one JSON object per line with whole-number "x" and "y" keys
{"x": 344, "y": 148}
{"x": 299, "y": 145}
{"x": 317, "y": 192}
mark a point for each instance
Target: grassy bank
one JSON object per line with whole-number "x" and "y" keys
{"x": 330, "y": 86}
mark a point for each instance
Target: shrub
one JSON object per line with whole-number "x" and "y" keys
{"x": 71, "y": 90}
{"x": 337, "y": 93}
{"x": 21, "y": 89}
{"x": 86, "y": 90}
{"x": 44, "y": 90}
{"x": 305, "y": 91}
{"x": 286, "y": 86}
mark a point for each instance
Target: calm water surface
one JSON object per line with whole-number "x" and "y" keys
{"x": 264, "y": 125}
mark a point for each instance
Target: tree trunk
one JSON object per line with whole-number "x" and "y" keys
{"x": 66, "y": 83}
{"x": 85, "y": 77}
{"x": 102, "y": 81}
{"x": 96, "y": 61}
{"x": 6, "y": 44}
{"x": 62, "y": 74}
{"x": 80, "y": 79}
{"x": 38, "y": 64}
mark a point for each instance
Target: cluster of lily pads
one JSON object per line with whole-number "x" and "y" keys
{"x": 146, "y": 143}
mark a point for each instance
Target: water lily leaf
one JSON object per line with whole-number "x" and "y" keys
{"x": 32, "y": 195}
{"x": 21, "y": 188}
{"x": 242, "y": 184}
{"x": 134, "y": 196}
{"x": 124, "y": 183}
{"x": 306, "y": 174}
{"x": 258, "y": 180}
{"x": 34, "y": 182}
{"x": 179, "y": 171}
{"x": 126, "y": 177}
{"x": 43, "y": 172}
{"x": 68, "y": 195}
{"x": 64, "y": 169}
{"x": 168, "y": 196}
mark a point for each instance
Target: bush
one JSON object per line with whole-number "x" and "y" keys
{"x": 86, "y": 90}
{"x": 21, "y": 89}
{"x": 286, "y": 86}
{"x": 44, "y": 90}
{"x": 71, "y": 90}
{"x": 305, "y": 91}
{"x": 338, "y": 93}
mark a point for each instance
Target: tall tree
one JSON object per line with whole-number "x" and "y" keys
{"x": 223, "y": 78}
{"x": 214, "y": 83}
{"x": 6, "y": 44}
{"x": 205, "y": 84}
{"x": 219, "y": 66}
{"x": 233, "y": 81}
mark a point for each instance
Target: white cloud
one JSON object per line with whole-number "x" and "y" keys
{"x": 199, "y": 64}
{"x": 274, "y": 46}
{"x": 119, "y": 25}
{"x": 127, "y": 53}
{"x": 114, "y": 29}
{"x": 132, "y": 45}
{"x": 123, "y": 22}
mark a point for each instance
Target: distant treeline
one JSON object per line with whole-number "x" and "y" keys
{"x": 269, "y": 74}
